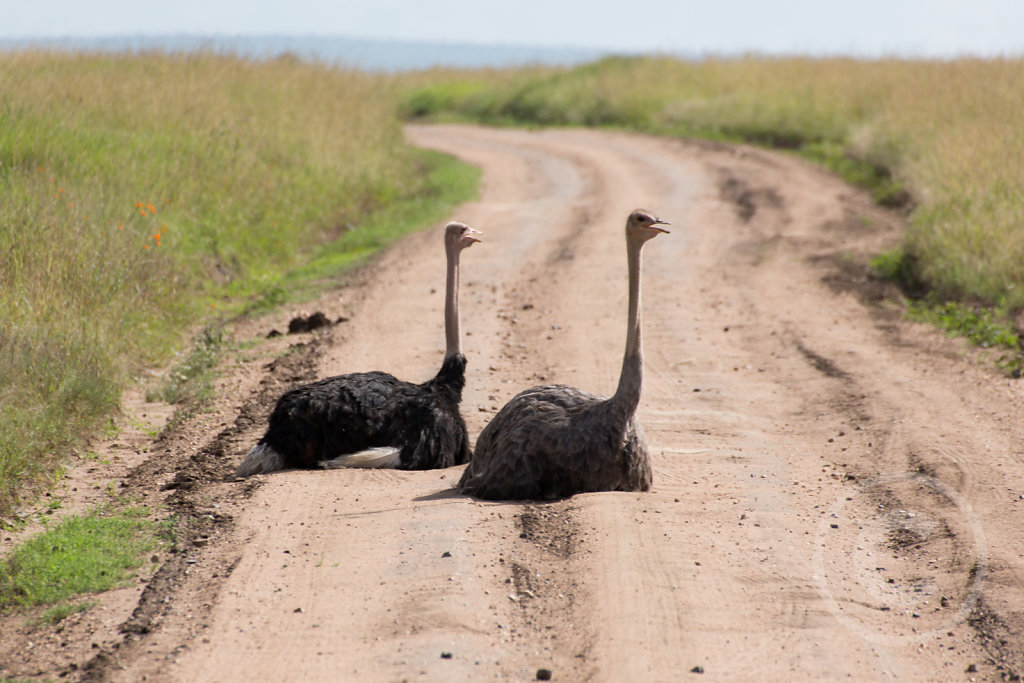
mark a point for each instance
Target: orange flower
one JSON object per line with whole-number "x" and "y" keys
{"x": 138, "y": 205}
{"x": 146, "y": 247}
{"x": 151, "y": 208}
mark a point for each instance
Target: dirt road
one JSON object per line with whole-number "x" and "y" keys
{"x": 838, "y": 493}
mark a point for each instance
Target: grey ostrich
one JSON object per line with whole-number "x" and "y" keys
{"x": 371, "y": 419}
{"x": 554, "y": 441}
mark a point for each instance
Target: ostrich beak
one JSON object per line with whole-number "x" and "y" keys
{"x": 656, "y": 223}
{"x": 473, "y": 235}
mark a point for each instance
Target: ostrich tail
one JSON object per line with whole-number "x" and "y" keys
{"x": 260, "y": 460}
{"x": 379, "y": 458}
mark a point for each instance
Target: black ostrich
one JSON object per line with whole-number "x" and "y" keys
{"x": 371, "y": 419}
{"x": 554, "y": 441}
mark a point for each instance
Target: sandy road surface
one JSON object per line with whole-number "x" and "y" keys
{"x": 838, "y": 494}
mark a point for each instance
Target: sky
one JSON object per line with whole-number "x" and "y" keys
{"x": 867, "y": 28}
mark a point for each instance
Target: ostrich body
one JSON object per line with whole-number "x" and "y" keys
{"x": 554, "y": 441}
{"x": 371, "y": 419}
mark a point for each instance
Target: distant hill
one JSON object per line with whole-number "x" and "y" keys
{"x": 367, "y": 55}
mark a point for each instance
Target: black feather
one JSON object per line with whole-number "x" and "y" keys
{"x": 350, "y": 413}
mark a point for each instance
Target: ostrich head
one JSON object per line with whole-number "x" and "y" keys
{"x": 458, "y": 236}
{"x": 643, "y": 225}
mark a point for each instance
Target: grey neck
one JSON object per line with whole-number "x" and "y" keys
{"x": 627, "y": 395}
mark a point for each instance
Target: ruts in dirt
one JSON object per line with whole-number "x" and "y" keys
{"x": 838, "y": 493}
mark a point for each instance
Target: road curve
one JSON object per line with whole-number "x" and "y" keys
{"x": 837, "y": 492}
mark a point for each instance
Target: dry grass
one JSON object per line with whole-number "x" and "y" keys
{"x": 948, "y": 132}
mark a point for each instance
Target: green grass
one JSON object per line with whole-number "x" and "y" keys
{"x": 88, "y": 554}
{"x": 987, "y": 326}
{"x": 145, "y": 197}
{"x": 940, "y": 137}
{"x": 982, "y": 326}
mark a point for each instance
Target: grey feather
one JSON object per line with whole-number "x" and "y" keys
{"x": 554, "y": 441}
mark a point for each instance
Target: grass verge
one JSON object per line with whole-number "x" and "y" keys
{"x": 982, "y": 326}
{"x": 986, "y": 326}
{"x": 79, "y": 555}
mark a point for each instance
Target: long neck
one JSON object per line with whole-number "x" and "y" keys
{"x": 452, "y": 333}
{"x": 627, "y": 395}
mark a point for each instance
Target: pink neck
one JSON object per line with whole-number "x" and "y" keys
{"x": 452, "y": 331}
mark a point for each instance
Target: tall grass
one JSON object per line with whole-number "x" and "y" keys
{"x": 946, "y": 135}
{"x": 140, "y": 195}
